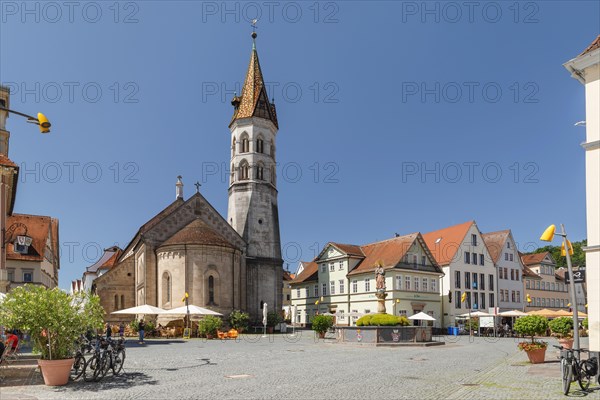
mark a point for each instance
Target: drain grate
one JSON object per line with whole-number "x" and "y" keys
{"x": 241, "y": 376}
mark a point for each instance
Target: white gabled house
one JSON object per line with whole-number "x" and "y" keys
{"x": 506, "y": 258}
{"x": 341, "y": 280}
{"x": 468, "y": 268}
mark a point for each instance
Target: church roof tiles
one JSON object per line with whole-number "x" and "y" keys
{"x": 254, "y": 101}
{"x": 197, "y": 232}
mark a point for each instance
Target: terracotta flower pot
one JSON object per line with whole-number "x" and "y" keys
{"x": 56, "y": 372}
{"x": 536, "y": 356}
{"x": 567, "y": 343}
{"x": 269, "y": 329}
{"x": 210, "y": 336}
{"x": 321, "y": 335}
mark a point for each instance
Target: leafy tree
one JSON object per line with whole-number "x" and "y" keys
{"x": 577, "y": 259}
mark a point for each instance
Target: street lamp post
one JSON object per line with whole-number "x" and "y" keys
{"x": 40, "y": 120}
{"x": 567, "y": 250}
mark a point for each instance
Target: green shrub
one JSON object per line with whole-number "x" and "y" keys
{"x": 382, "y": 320}
{"x": 585, "y": 323}
{"x": 562, "y": 326}
{"x": 273, "y": 318}
{"x": 321, "y": 323}
{"x": 209, "y": 325}
{"x": 239, "y": 320}
{"x": 472, "y": 323}
{"x": 531, "y": 325}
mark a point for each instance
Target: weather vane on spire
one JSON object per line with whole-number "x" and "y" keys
{"x": 254, "y": 27}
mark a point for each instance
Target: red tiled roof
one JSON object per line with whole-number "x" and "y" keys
{"x": 534, "y": 258}
{"x": 113, "y": 259}
{"x": 594, "y": 46}
{"x": 197, "y": 232}
{"x": 38, "y": 228}
{"x": 309, "y": 273}
{"x": 388, "y": 252}
{"x": 451, "y": 240}
{"x": 6, "y": 162}
{"x": 495, "y": 242}
{"x": 106, "y": 261}
{"x": 350, "y": 249}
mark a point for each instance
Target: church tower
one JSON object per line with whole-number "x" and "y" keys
{"x": 252, "y": 210}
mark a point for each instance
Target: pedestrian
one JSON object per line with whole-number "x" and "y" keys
{"x": 12, "y": 340}
{"x": 141, "y": 330}
{"x": 121, "y": 329}
{"x": 108, "y": 329}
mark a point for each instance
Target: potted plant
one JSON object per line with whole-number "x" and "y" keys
{"x": 563, "y": 327}
{"x": 209, "y": 325}
{"x": 273, "y": 319}
{"x": 321, "y": 323}
{"x": 239, "y": 320}
{"x": 54, "y": 320}
{"x": 530, "y": 326}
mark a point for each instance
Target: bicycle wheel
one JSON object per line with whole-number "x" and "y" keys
{"x": 583, "y": 377}
{"x": 92, "y": 365}
{"x": 78, "y": 367}
{"x": 118, "y": 361}
{"x": 566, "y": 374}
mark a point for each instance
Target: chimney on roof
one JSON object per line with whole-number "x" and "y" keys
{"x": 179, "y": 188}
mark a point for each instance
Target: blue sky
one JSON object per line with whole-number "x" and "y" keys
{"x": 394, "y": 116}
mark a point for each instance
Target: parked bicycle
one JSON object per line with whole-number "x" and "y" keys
{"x": 106, "y": 354}
{"x": 573, "y": 369}
{"x": 84, "y": 347}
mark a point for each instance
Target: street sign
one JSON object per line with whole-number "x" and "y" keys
{"x": 579, "y": 276}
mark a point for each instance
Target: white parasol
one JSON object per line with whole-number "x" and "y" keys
{"x": 422, "y": 316}
{"x": 194, "y": 310}
{"x": 145, "y": 309}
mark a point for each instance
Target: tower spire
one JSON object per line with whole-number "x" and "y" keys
{"x": 253, "y": 101}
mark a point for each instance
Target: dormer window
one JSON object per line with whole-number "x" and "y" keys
{"x": 21, "y": 244}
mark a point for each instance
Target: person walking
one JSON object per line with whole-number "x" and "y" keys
{"x": 108, "y": 330}
{"x": 141, "y": 330}
{"x": 121, "y": 329}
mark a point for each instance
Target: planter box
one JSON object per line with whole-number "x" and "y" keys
{"x": 383, "y": 334}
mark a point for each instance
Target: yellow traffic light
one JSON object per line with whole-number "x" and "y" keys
{"x": 548, "y": 234}
{"x": 562, "y": 248}
{"x": 463, "y": 297}
{"x": 43, "y": 123}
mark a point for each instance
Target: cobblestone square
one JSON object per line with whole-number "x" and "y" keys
{"x": 302, "y": 367}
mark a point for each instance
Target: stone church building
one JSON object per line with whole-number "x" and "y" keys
{"x": 224, "y": 264}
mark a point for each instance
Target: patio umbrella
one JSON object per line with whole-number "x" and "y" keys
{"x": 422, "y": 316}
{"x": 513, "y": 313}
{"x": 2, "y": 296}
{"x": 476, "y": 314}
{"x": 543, "y": 312}
{"x": 194, "y": 310}
{"x": 145, "y": 309}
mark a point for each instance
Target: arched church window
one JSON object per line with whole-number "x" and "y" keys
{"x": 166, "y": 288}
{"x": 122, "y": 301}
{"x": 211, "y": 290}
{"x": 260, "y": 145}
{"x": 116, "y": 301}
{"x": 272, "y": 145}
{"x": 259, "y": 172}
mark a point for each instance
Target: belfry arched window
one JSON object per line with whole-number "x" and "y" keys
{"x": 233, "y": 146}
{"x": 243, "y": 171}
{"x": 232, "y": 173}
{"x": 260, "y": 145}
{"x": 244, "y": 143}
{"x": 260, "y": 172}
